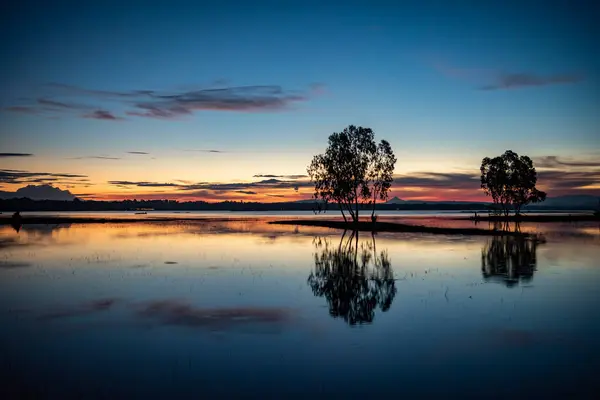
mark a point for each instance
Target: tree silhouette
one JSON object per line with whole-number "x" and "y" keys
{"x": 354, "y": 282}
{"x": 353, "y": 171}
{"x": 510, "y": 180}
{"x": 510, "y": 259}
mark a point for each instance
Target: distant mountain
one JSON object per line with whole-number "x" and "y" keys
{"x": 39, "y": 192}
{"x": 395, "y": 200}
{"x": 571, "y": 201}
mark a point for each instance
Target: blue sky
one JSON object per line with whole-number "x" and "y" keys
{"x": 447, "y": 83}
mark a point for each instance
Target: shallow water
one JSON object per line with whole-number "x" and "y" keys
{"x": 247, "y": 309}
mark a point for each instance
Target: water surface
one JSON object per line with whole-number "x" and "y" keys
{"x": 247, "y": 309}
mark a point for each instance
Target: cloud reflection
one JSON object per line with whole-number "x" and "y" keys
{"x": 179, "y": 313}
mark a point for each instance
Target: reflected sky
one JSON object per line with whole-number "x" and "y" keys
{"x": 169, "y": 309}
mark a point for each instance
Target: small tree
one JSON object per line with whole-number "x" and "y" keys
{"x": 510, "y": 180}
{"x": 353, "y": 171}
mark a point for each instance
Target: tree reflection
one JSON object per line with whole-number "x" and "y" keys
{"x": 355, "y": 280}
{"x": 510, "y": 259}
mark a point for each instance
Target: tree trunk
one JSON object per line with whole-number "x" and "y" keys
{"x": 350, "y": 211}
{"x": 374, "y": 201}
{"x": 342, "y": 210}
{"x": 356, "y": 205}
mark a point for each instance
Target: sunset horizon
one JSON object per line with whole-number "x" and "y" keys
{"x": 199, "y": 102}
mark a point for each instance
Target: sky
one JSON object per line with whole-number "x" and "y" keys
{"x": 230, "y": 100}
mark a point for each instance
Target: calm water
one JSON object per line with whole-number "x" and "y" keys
{"x": 254, "y": 214}
{"x": 247, "y": 309}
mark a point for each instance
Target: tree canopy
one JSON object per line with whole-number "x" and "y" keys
{"x": 353, "y": 171}
{"x": 511, "y": 181}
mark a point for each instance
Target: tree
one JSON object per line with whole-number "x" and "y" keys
{"x": 510, "y": 180}
{"x": 353, "y": 171}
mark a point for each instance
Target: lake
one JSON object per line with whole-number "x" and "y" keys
{"x": 244, "y": 309}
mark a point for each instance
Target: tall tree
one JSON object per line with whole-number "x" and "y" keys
{"x": 511, "y": 181}
{"x": 352, "y": 168}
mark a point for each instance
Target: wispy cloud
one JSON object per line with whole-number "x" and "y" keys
{"x": 168, "y": 105}
{"x": 5, "y": 155}
{"x": 438, "y": 180}
{"x": 19, "y": 176}
{"x": 216, "y": 190}
{"x": 557, "y": 162}
{"x": 243, "y": 98}
{"x": 22, "y": 109}
{"x": 205, "y": 151}
{"x": 94, "y": 157}
{"x": 263, "y": 184}
{"x": 103, "y": 115}
{"x": 171, "y": 312}
{"x": 65, "y": 89}
{"x": 51, "y": 104}
{"x": 500, "y": 80}
{"x": 518, "y": 80}
{"x": 137, "y": 152}
{"x": 143, "y": 184}
{"x": 280, "y": 176}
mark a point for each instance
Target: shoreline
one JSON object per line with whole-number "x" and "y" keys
{"x": 397, "y": 227}
{"x": 533, "y": 218}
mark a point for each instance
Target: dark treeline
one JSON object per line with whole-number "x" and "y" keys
{"x": 26, "y": 204}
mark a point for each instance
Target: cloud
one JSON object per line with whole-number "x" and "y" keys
{"x": 565, "y": 181}
{"x": 274, "y": 195}
{"x": 557, "y": 162}
{"x": 176, "y": 313}
{"x": 432, "y": 186}
{"x": 205, "y": 151}
{"x": 41, "y": 192}
{"x": 53, "y": 105}
{"x": 94, "y": 157}
{"x": 517, "y": 80}
{"x": 245, "y": 191}
{"x": 143, "y": 184}
{"x": 438, "y": 180}
{"x": 243, "y": 98}
{"x": 13, "y": 176}
{"x": 22, "y": 109}
{"x": 103, "y": 115}
{"x": 502, "y": 80}
{"x": 65, "y": 89}
{"x": 85, "y": 309}
{"x": 168, "y": 105}
{"x": 4, "y": 155}
{"x": 263, "y": 184}
{"x": 280, "y": 176}
{"x": 137, "y": 152}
